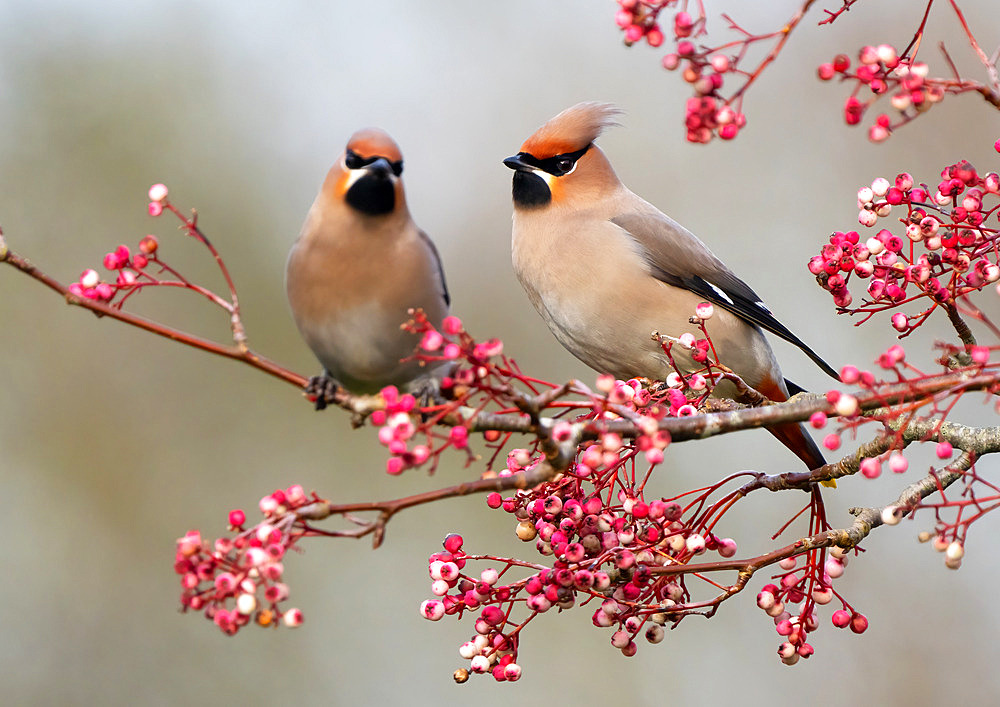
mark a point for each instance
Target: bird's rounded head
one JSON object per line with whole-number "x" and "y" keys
{"x": 367, "y": 175}
{"x": 546, "y": 167}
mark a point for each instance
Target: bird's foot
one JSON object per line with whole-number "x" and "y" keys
{"x": 427, "y": 391}
{"x": 427, "y": 387}
{"x": 322, "y": 390}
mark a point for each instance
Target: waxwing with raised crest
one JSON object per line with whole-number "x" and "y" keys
{"x": 605, "y": 269}
{"x": 359, "y": 264}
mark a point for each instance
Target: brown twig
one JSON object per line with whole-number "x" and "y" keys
{"x": 236, "y": 351}
{"x": 865, "y": 520}
{"x": 321, "y": 510}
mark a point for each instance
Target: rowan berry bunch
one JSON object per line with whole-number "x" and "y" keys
{"x": 603, "y": 542}
{"x": 796, "y": 595}
{"x": 239, "y": 579}
{"x": 937, "y": 246}
{"x": 882, "y": 71}
{"x": 708, "y": 113}
{"x": 135, "y": 271}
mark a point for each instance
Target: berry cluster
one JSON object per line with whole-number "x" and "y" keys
{"x": 882, "y": 72}
{"x": 236, "y": 580}
{"x": 130, "y": 268}
{"x": 810, "y": 587}
{"x": 954, "y": 550}
{"x": 948, "y": 223}
{"x": 707, "y": 114}
{"x": 638, "y": 20}
{"x": 474, "y": 370}
{"x": 604, "y": 552}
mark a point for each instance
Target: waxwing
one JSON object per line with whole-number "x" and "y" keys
{"x": 358, "y": 265}
{"x": 604, "y": 269}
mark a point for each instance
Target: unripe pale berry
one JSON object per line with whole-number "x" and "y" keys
{"x": 775, "y": 610}
{"x": 158, "y": 192}
{"x": 293, "y": 618}
{"x": 891, "y": 515}
{"x": 246, "y": 604}
{"x": 846, "y": 405}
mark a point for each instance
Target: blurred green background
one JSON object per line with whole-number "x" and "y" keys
{"x": 114, "y": 442}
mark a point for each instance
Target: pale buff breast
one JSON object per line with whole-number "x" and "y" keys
{"x": 591, "y": 283}
{"x": 350, "y": 294}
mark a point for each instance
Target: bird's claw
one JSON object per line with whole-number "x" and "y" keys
{"x": 322, "y": 389}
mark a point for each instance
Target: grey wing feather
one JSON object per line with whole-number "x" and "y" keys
{"x": 440, "y": 269}
{"x": 678, "y": 258}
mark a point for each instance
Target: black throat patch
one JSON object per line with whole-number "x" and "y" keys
{"x": 372, "y": 194}
{"x": 530, "y": 191}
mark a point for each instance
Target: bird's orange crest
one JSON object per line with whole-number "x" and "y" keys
{"x": 374, "y": 142}
{"x": 573, "y": 129}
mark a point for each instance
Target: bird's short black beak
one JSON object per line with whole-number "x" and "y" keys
{"x": 515, "y": 162}
{"x": 380, "y": 168}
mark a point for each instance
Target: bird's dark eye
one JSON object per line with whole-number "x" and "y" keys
{"x": 397, "y": 167}
{"x": 557, "y": 165}
{"x": 353, "y": 161}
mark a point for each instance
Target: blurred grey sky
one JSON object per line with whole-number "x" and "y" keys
{"x": 113, "y": 443}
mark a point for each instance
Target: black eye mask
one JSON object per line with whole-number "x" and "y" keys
{"x": 352, "y": 160}
{"x": 557, "y": 165}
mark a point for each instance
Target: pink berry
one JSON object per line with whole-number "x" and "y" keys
{"x": 841, "y": 618}
{"x": 832, "y": 441}
{"x": 870, "y": 467}
{"x": 459, "y": 437}
{"x": 237, "y": 518}
{"x": 431, "y": 341}
{"x": 452, "y": 325}
{"x": 148, "y": 244}
{"x": 158, "y": 192}
{"x": 850, "y": 375}
{"x": 453, "y": 543}
{"x": 980, "y": 354}
{"x": 104, "y": 291}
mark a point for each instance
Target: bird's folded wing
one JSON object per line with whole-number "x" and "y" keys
{"x": 437, "y": 262}
{"x": 677, "y": 257}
